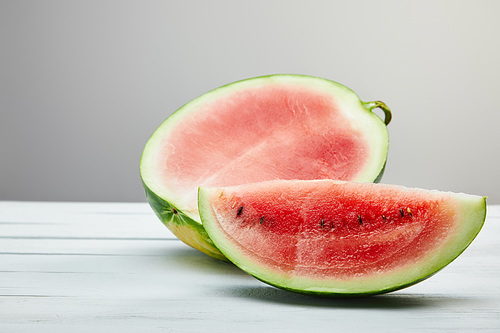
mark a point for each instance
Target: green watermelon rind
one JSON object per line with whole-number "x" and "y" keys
{"x": 473, "y": 216}
{"x": 161, "y": 200}
{"x": 182, "y": 226}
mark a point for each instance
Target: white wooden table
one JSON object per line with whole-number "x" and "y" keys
{"x": 113, "y": 267}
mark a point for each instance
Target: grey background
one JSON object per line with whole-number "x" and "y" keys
{"x": 83, "y": 84}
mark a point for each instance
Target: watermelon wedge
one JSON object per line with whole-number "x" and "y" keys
{"x": 339, "y": 238}
{"x": 265, "y": 128}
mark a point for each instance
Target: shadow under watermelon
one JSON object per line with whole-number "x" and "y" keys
{"x": 396, "y": 300}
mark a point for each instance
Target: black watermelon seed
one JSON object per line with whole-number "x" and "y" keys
{"x": 322, "y": 223}
{"x": 409, "y": 212}
{"x": 360, "y": 220}
{"x": 385, "y": 218}
{"x": 262, "y": 220}
{"x": 402, "y": 212}
{"x": 239, "y": 211}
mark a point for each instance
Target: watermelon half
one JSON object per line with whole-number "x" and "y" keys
{"x": 339, "y": 238}
{"x": 265, "y": 128}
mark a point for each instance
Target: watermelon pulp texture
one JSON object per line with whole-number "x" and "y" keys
{"x": 274, "y": 127}
{"x": 339, "y": 238}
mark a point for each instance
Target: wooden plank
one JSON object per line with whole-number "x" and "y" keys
{"x": 103, "y": 280}
{"x": 79, "y": 220}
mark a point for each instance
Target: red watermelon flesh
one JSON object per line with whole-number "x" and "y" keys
{"x": 338, "y": 237}
{"x": 251, "y": 143}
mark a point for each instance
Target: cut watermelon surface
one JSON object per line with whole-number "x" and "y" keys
{"x": 260, "y": 129}
{"x": 339, "y": 238}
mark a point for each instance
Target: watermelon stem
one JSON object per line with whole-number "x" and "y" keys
{"x": 381, "y": 105}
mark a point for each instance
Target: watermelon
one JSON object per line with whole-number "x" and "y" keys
{"x": 339, "y": 238}
{"x": 259, "y": 129}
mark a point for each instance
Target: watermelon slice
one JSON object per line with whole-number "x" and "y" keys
{"x": 339, "y": 238}
{"x": 265, "y": 128}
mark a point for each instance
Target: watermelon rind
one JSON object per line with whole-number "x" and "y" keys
{"x": 470, "y": 209}
{"x": 182, "y": 226}
{"x": 186, "y": 223}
